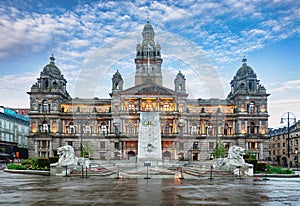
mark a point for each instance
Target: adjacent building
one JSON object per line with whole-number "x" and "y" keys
{"x": 14, "y": 130}
{"x": 190, "y": 128}
{"x": 279, "y": 149}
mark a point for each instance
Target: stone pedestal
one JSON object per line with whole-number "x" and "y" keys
{"x": 59, "y": 171}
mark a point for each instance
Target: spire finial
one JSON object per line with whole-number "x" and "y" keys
{"x": 148, "y": 18}
{"x": 52, "y": 59}
{"x": 244, "y": 60}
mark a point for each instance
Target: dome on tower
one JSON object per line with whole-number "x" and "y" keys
{"x": 180, "y": 75}
{"x": 148, "y": 26}
{"x": 117, "y": 75}
{"x": 245, "y": 70}
{"x": 51, "y": 69}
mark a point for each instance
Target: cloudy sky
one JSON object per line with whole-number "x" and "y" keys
{"x": 206, "y": 40}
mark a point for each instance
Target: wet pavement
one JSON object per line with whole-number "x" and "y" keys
{"x": 18, "y": 189}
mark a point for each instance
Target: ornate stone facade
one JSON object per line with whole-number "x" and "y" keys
{"x": 190, "y": 128}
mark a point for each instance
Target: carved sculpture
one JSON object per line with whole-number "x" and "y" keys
{"x": 234, "y": 160}
{"x": 66, "y": 156}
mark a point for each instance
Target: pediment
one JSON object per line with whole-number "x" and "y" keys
{"x": 149, "y": 88}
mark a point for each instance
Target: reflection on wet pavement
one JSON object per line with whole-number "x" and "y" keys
{"x": 17, "y": 189}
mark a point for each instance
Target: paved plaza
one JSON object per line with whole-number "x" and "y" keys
{"x": 18, "y": 189}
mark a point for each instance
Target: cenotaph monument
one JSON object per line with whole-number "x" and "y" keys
{"x": 149, "y": 141}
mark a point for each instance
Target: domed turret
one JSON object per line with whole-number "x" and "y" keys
{"x": 180, "y": 82}
{"x": 245, "y": 82}
{"x": 117, "y": 81}
{"x": 245, "y": 70}
{"x": 51, "y": 69}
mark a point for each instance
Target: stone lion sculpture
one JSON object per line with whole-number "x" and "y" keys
{"x": 235, "y": 159}
{"x": 66, "y": 156}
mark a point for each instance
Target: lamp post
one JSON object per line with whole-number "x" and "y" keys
{"x": 288, "y": 116}
{"x": 296, "y": 157}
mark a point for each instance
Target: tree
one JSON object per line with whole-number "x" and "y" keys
{"x": 219, "y": 151}
{"x": 87, "y": 149}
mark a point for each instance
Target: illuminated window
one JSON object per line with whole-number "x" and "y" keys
{"x": 148, "y": 107}
{"x": 131, "y": 107}
{"x": 166, "y": 107}
{"x": 54, "y": 127}
{"x": 33, "y": 127}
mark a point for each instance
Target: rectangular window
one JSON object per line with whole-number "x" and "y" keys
{"x": 181, "y": 146}
{"x": 102, "y": 145}
{"x": 117, "y": 145}
{"x": 102, "y": 155}
{"x": 211, "y": 145}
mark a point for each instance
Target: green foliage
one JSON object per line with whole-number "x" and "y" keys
{"x": 250, "y": 155}
{"x": 34, "y": 162}
{"x": 219, "y": 151}
{"x": 31, "y": 164}
{"x": 278, "y": 170}
{"x": 14, "y": 166}
{"x": 87, "y": 149}
{"x": 25, "y": 161}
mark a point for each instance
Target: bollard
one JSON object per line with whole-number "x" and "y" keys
{"x": 211, "y": 168}
{"x": 181, "y": 174}
{"x": 239, "y": 174}
{"x": 82, "y": 172}
{"x": 66, "y": 170}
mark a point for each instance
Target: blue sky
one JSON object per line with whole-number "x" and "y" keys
{"x": 206, "y": 40}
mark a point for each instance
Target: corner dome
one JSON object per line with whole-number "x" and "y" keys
{"x": 52, "y": 69}
{"x": 180, "y": 75}
{"x": 117, "y": 75}
{"x": 245, "y": 69}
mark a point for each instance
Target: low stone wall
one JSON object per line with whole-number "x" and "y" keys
{"x": 276, "y": 175}
{"x": 29, "y": 172}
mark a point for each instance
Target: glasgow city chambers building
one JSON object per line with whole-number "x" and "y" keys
{"x": 108, "y": 128}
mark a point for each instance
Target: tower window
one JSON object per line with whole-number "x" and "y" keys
{"x": 251, "y": 107}
{"x": 45, "y": 106}
{"x": 46, "y": 84}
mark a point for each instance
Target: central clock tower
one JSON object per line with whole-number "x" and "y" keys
{"x": 148, "y": 58}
